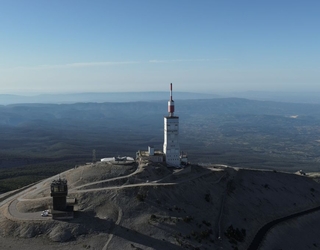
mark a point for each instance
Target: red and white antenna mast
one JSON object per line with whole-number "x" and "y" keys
{"x": 171, "y": 103}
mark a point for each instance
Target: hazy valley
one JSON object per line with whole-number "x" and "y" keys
{"x": 39, "y": 140}
{"x": 148, "y": 206}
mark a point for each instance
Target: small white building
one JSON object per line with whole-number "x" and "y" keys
{"x": 151, "y": 155}
{"x": 120, "y": 160}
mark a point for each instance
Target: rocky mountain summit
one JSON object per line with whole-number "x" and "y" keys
{"x": 149, "y": 206}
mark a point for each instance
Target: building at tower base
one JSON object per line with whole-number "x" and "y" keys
{"x": 150, "y": 155}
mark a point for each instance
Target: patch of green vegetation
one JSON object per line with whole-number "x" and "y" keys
{"x": 235, "y": 234}
{"x": 14, "y": 178}
{"x": 140, "y": 197}
{"x": 18, "y": 182}
{"x": 207, "y": 197}
{"x": 187, "y": 219}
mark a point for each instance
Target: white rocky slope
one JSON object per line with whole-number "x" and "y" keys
{"x": 150, "y": 207}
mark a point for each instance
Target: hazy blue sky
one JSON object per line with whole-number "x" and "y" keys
{"x": 136, "y": 45}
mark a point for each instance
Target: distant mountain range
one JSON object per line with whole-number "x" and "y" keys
{"x": 6, "y": 99}
{"x": 291, "y": 97}
{"x": 279, "y": 96}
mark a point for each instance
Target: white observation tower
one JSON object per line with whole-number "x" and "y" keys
{"x": 171, "y": 147}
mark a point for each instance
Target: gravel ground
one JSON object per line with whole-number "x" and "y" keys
{"x": 152, "y": 207}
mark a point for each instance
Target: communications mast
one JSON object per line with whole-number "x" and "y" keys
{"x": 171, "y": 147}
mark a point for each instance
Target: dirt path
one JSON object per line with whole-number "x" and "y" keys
{"x": 113, "y": 228}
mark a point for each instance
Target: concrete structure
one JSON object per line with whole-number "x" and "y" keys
{"x": 59, "y": 192}
{"x": 151, "y": 150}
{"x": 171, "y": 147}
{"x": 183, "y": 158}
{"x": 60, "y": 208}
{"x": 150, "y": 155}
{"x": 119, "y": 160}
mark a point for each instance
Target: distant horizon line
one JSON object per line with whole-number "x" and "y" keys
{"x": 99, "y": 92}
{"x": 158, "y": 91}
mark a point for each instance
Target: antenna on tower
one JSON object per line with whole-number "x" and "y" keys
{"x": 171, "y": 103}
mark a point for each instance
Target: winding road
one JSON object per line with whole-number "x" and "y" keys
{"x": 257, "y": 240}
{"x": 11, "y": 200}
